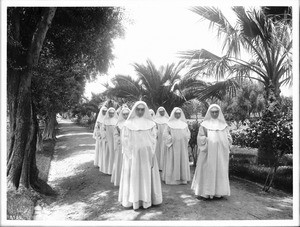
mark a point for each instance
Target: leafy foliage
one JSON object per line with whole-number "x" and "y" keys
{"x": 245, "y": 138}
{"x": 257, "y": 173}
{"x": 165, "y": 86}
{"x": 78, "y": 47}
{"x": 273, "y": 135}
{"x": 194, "y": 128}
{"x": 248, "y": 102}
{"x": 267, "y": 41}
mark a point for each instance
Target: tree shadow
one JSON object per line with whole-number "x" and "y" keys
{"x": 95, "y": 198}
{"x": 87, "y": 194}
{"x": 80, "y": 143}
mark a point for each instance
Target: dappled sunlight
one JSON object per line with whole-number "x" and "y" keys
{"x": 86, "y": 145}
{"x": 273, "y": 209}
{"x": 62, "y": 147}
{"x": 75, "y": 134}
{"x": 59, "y": 169}
{"x": 87, "y": 194}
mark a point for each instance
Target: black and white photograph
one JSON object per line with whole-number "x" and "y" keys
{"x": 149, "y": 113}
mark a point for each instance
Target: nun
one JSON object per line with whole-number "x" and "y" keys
{"x": 117, "y": 167}
{"x": 140, "y": 184}
{"x": 161, "y": 119}
{"x": 97, "y": 136}
{"x": 107, "y": 133}
{"x": 176, "y": 136}
{"x": 211, "y": 178}
{"x": 152, "y": 113}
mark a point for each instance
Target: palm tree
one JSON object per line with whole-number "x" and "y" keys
{"x": 268, "y": 42}
{"x": 166, "y": 86}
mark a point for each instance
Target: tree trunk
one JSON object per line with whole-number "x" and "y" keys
{"x": 21, "y": 163}
{"x": 39, "y": 143}
{"x": 19, "y": 129}
{"x": 50, "y": 124}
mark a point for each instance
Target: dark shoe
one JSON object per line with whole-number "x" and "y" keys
{"x": 202, "y": 198}
{"x": 218, "y": 198}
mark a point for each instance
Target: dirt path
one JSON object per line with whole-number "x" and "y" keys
{"x": 87, "y": 194}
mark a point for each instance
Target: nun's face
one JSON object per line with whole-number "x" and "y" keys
{"x": 140, "y": 110}
{"x": 214, "y": 113}
{"x": 111, "y": 114}
{"x": 177, "y": 115}
{"x": 162, "y": 112}
{"x": 125, "y": 115}
{"x": 104, "y": 112}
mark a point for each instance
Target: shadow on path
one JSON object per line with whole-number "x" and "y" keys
{"x": 87, "y": 194}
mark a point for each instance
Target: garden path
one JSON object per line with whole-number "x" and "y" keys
{"x": 87, "y": 194}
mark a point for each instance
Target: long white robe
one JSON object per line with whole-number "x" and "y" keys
{"x": 211, "y": 174}
{"x": 140, "y": 180}
{"x": 116, "y": 172}
{"x": 160, "y": 145}
{"x": 176, "y": 169}
{"x": 97, "y": 137}
{"x": 108, "y": 155}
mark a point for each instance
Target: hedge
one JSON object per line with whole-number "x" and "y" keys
{"x": 283, "y": 179}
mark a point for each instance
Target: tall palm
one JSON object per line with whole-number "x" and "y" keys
{"x": 266, "y": 40}
{"x": 165, "y": 86}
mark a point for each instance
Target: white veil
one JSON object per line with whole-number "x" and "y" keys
{"x": 177, "y": 123}
{"x": 110, "y": 120}
{"x": 139, "y": 123}
{"x": 161, "y": 119}
{"x": 152, "y": 113}
{"x": 121, "y": 120}
{"x": 214, "y": 124}
{"x": 100, "y": 117}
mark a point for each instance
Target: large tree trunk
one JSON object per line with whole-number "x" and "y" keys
{"x": 39, "y": 142}
{"x": 266, "y": 152}
{"x": 50, "y": 125}
{"x": 21, "y": 163}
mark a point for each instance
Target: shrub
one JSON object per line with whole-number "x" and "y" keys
{"x": 245, "y": 138}
{"x": 194, "y": 128}
{"x": 283, "y": 179}
{"x": 286, "y": 160}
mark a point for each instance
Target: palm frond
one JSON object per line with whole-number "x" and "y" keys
{"x": 198, "y": 55}
{"x": 219, "y": 90}
{"x": 124, "y": 87}
{"x": 216, "y": 18}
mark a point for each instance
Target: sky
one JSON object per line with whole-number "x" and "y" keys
{"x": 158, "y": 33}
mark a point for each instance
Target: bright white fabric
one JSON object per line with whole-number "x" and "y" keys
{"x": 176, "y": 168}
{"x": 139, "y": 123}
{"x": 97, "y": 137}
{"x": 117, "y": 167}
{"x": 211, "y": 174}
{"x": 160, "y": 146}
{"x": 214, "y": 124}
{"x": 110, "y": 120}
{"x": 121, "y": 120}
{"x": 140, "y": 181}
{"x": 152, "y": 113}
{"x": 107, "y": 134}
{"x": 161, "y": 119}
{"x": 175, "y": 123}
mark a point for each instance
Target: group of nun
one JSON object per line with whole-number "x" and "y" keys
{"x": 139, "y": 149}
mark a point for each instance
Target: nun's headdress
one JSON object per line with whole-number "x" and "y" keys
{"x": 214, "y": 124}
{"x": 161, "y": 119}
{"x": 177, "y": 123}
{"x": 111, "y": 120}
{"x": 139, "y": 123}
